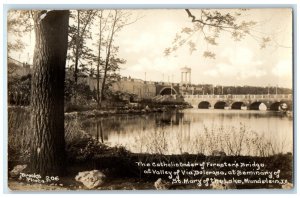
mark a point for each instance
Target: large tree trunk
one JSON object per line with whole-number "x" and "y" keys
{"x": 47, "y": 93}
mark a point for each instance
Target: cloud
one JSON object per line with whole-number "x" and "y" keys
{"x": 239, "y": 63}
{"x": 140, "y": 43}
{"x": 240, "y": 56}
{"x": 283, "y": 68}
{"x": 153, "y": 41}
{"x": 159, "y": 64}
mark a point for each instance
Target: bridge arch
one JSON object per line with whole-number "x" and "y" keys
{"x": 237, "y": 105}
{"x": 220, "y": 105}
{"x": 167, "y": 91}
{"x": 289, "y": 104}
{"x": 204, "y": 105}
{"x": 276, "y": 106}
{"x": 258, "y": 106}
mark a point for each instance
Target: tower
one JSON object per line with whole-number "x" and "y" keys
{"x": 185, "y": 75}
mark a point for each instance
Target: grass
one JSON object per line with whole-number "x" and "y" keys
{"x": 18, "y": 134}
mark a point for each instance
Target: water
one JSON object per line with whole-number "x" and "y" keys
{"x": 235, "y": 132}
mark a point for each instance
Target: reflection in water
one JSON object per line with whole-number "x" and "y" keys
{"x": 235, "y": 132}
{"x": 99, "y": 135}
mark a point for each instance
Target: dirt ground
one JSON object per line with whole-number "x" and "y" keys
{"x": 70, "y": 184}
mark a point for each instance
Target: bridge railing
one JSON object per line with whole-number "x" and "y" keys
{"x": 265, "y": 96}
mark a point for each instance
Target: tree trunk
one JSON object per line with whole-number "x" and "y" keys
{"x": 47, "y": 93}
{"x": 76, "y": 57}
{"x": 107, "y": 58}
{"x": 99, "y": 60}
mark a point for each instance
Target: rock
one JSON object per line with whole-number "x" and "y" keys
{"x": 90, "y": 179}
{"x": 287, "y": 186}
{"x": 147, "y": 108}
{"x": 17, "y": 170}
{"x": 161, "y": 184}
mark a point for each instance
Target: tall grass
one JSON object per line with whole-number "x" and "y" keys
{"x": 233, "y": 141}
{"x": 73, "y": 130}
{"x": 19, "y": 134}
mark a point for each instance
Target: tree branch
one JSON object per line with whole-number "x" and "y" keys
{"x": 208, "y": 24}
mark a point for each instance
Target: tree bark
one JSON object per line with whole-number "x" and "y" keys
{"x": 47, "y": 93}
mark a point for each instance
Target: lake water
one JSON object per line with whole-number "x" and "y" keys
{"x": 235, "y": 132}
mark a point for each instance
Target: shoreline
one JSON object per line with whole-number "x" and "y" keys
{"x": 120, "y": 165}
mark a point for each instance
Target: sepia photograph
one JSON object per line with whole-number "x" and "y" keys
{"x": 150, "y": 99}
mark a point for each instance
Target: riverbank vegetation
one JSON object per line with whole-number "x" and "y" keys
{"x": 85, "y": 152}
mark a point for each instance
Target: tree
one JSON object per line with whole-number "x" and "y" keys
{"x": 80, "y": 31}
{"x": 102, "y": 26}
{"x": 47, "y": 92}
{"x": 18, "y": 23}
{"x": 118, "y": 20}
{"x": 210, "y": 23}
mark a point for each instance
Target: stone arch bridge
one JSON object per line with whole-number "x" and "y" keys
{"x": 250, "y": 102}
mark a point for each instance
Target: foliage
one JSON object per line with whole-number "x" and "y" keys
{"x": 81, "y": 56}
{"x": 110, "y": 23}
{"x": 119, "y": 96}
{"x": 83, "y": 92}
{"x": 81, "y": 146}
{"x": 19, "y": 90}
{"x": 11, "y": 69}
{"x": 80, "y": 31}
{"x": 210, "y": 23}
{"x": 18, "y": 23}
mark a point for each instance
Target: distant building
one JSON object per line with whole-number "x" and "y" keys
{"x": 148, "y": 89}
{"x": 143, "y": 89}
{"x": 186, "y": 76}
{"x": 186, "y": 81}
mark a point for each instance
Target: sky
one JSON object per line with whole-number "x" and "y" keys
{"x": 142, "y": 45}
{"x": 236, "y": 63}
